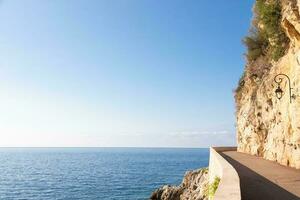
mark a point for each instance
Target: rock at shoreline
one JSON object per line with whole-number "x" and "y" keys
{"x": 194, "y": 186}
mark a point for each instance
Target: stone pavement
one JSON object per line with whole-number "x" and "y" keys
{"x": 262, "y": 179}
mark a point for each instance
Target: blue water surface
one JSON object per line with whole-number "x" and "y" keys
{"x": 93, "y": 173}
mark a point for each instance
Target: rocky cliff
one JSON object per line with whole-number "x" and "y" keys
{"x": 193, "y": 187}
{"x": 266, "y": 125}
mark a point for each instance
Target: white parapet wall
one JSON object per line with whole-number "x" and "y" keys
{"x": 229, "y": 186}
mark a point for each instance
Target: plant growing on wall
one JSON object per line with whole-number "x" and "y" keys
{"x": 213, "y": 187}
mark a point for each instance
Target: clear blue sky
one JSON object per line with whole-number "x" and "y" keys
{"x": 120, "y": 72}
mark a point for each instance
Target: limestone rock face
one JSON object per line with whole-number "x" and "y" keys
{"x": 193, "y": 187}
{"x": 267, "y": 126}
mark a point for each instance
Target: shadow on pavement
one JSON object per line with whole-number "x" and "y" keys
{"x": 256, "y": 187}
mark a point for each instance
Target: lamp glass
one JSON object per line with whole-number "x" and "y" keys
{"x": 279, "y": 93}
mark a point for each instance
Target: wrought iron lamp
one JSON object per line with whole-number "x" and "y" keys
{"x": 279, "y": 92}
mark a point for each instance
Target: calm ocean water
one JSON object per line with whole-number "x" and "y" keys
{"x": 93, "y": 173}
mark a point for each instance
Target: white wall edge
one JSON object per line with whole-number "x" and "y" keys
{"x": 229, "y": 186}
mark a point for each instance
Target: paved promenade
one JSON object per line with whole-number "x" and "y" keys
{"x": 264, "y": 180}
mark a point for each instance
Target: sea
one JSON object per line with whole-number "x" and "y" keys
{"x": 93, "y": 173}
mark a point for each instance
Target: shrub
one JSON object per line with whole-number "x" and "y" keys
{"x": 256, "y": 45}
{"x": 214, "y": 186}
{"x": 205, "y": 169}
{"x": 266, "y": 37}
{"x": 241, "y": 83}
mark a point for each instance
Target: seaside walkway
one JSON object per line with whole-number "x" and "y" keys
{"x": 262, "y": 179}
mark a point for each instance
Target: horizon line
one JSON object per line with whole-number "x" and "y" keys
{"x": 163, "y": 147}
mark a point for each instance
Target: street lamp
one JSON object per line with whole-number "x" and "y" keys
{"x": 279, "y": 92}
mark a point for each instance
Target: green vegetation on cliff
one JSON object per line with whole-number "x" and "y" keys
{"x": 266, "y": 37}
{"x": 266, "y": 42}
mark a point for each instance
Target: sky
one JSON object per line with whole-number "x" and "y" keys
{"x": 120, "y": 73}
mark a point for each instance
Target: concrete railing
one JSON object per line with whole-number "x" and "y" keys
{"x": 229, "y": 186}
